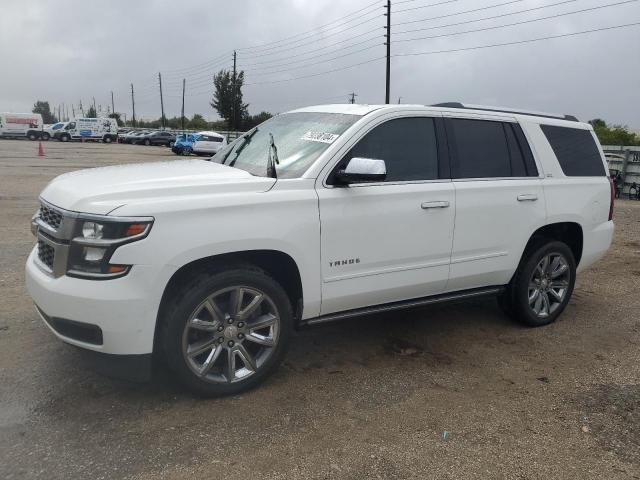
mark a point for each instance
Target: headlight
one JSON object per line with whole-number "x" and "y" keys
{"x": 96, "y": 240}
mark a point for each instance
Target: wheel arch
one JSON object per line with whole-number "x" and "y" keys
{"x": 279, "y": 265}
{"x": 570, "y": 233}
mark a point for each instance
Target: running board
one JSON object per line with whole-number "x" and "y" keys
{"x": 416, "y": 302}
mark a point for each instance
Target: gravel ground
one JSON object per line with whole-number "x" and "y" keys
{"x": 447, "y": 392}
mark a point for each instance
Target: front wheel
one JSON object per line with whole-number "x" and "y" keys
{"x": 542, "y": 286}
{"x": 227, "y": 331}
{"x": 46, "y": 136}
{"x": 147, "y": 142}
{"x": 65, "y": 138}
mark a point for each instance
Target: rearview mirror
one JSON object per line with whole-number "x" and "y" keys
{"x": 360, "y": 170}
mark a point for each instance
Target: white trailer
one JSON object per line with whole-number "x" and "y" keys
{"x": 20, "y": 125}
{"x": 105, "y": 129}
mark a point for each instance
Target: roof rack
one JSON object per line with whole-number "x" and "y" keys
{"x": 571, "y": 118}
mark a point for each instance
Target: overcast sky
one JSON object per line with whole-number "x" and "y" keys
{"x": 67, "y": 51}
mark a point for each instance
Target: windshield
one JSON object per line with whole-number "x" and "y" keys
{"x": 300, "y": 139}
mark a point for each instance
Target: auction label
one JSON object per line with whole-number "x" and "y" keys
{"x": 320, "y": 137}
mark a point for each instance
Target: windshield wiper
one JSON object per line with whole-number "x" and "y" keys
{"x": 245, "y": 140}
{"x": 273, "y": 159}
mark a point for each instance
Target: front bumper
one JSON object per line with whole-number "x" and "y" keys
{"x": 124, "y": 309}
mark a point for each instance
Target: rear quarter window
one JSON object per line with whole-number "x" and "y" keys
{"x": 576, "y": 151}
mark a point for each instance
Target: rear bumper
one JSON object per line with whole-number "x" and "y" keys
{"x": 595, "y": 244}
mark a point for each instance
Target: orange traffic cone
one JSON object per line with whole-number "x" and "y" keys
{"x": 40, "y": 149}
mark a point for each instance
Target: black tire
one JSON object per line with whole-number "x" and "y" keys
{"x": 185, "y": 151}
{"x": 188, "y": 299}
{"x": 46, "y": 136}
{"x": 515, "y": 301}
{"x": 32, "y": 136}
{"x": 64, "y": 138}
{"x": 147, "y": 142}
{"x": 106, "y": 139}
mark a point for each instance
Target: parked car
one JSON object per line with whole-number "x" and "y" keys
{"x": 208, "y": 143}
{"x": 320, "y": 214}
{"x": 133, "y": 135}
{"x": 104, "y": 129}
{"x": 21, "y": 125}
{"x": 184, "y": 143}
{"x": 50, "y": 130}
{"x": 155, "y": 138}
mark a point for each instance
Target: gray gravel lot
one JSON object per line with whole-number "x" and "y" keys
{"x": 446, "y": 392}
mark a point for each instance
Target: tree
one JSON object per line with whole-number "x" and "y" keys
{"x": 116, "y": 115}
{"x": 44, "y": 109}
{"x": 197, "y": 122}
{"x": 253, "y": 120}
{"x": 614, "y": 135}
{"x": 91, "y": 113}
{"x": 227, "y": 98}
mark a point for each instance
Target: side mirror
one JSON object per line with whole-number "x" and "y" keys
{"x": 361, "y": 170}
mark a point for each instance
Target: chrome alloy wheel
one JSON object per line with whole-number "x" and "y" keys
{"x": 231, "y": 334}
{"x": 549, "y": 284}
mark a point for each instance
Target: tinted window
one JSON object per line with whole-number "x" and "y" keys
{"x": 576, "y": 151}
{"x": 481, "y": 149}
{"x": 407, "y": 145}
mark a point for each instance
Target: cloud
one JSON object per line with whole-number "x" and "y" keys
{"x": 66, "y": 51}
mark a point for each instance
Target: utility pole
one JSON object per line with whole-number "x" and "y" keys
{"x": 233, "y": 87}
{"x": 161, "y": 102}
{"x": 94, "y": 106}
{"x": 352, "y": 97}
{"x": 133, "y": 106}
{"x": 399, "y": 100}
{"x": 113, "y": 107}
{"x": 81, "y": 109}
{"x": 73, "y": 111}
{"x": 184, "y": 81}
{"x": 388, "y": 44}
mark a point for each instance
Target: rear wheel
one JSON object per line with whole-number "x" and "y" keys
{"x": 32, "y": 136}
{"x": 46, "y": 136}
{"x": 227, "y": 331}
{"x": 147, "y": 142}
{"x": 185, "y": 151}
{"x": 542, "y": 286}
{"x": 106, "y": 139}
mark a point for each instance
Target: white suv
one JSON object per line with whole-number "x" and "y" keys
{"x": 319, "y": 214}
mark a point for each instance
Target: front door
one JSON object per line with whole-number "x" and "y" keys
{"x": 388, "y": 241}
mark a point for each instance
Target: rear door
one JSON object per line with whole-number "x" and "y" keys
{"x": 391, "y": 240}
{"x": 499, "y": 199}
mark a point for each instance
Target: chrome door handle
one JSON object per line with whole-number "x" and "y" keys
{"x": 527, "y": 197}
{"x": 441, "y": 204}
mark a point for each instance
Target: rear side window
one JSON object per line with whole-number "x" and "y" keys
{"x": 489, "y": 149}
{"x": 407, "y": 145}
{"x": 576, "y": 151}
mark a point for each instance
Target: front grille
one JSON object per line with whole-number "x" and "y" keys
{"x": 46, "y": 254}
{"x": 50, "y": 216}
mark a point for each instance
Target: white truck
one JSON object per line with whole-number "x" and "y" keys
{"x": 105, "y": 129}
{"x": 319, "y": 214}
{"x": 21, "y": 125}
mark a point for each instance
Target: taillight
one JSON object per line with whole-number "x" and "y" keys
{"x": 613, "y": 196}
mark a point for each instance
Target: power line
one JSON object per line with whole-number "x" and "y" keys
{"x": 321, "y": 27}
{"x": 520, "y": 42}
{"x": 488, "y": 7}
{"x": 425, "y": 6}
{"x": 495, "y": 27}
{"x": 492, "y": 17}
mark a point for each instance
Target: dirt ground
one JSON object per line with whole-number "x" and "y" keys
{"x": 447, "y": 392}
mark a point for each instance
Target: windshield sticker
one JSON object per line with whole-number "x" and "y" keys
{"x": 320, "y": 137}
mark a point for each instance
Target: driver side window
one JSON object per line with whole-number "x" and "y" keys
{"x": 407, "y": 145}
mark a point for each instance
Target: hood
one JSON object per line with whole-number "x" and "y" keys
{"x": 101, "y": 190}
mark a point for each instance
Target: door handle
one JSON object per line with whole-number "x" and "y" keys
{"x": 527, "y": 197}
{"x": 440, "y": 204}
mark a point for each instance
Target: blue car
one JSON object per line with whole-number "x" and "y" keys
{"x": 184, "y": 143}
